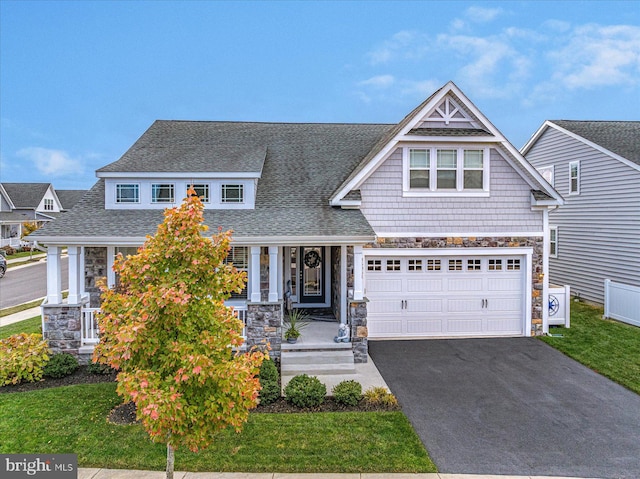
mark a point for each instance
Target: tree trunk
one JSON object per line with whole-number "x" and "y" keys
{"x": 169, "y": 461}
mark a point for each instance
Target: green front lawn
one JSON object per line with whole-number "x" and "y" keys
{"x": 72, "y": 419}
{"x": 608, "y": 347}
{"x": 31, "y": 325}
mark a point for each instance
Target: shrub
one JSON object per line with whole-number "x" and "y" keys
{"x": 379, "y": 396}
{"x": 8, "y": 250}
{"x": 305, "y": 391}
{"x": 99, "y": 368}
{"x": 348, "y": 393}
{"x": 61, "y": 365}
{"x": 269, "y": 382}
{"x": 22, "y": 358}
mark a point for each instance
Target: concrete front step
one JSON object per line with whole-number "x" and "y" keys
{"x": 317, "y": 369}
{"x": 318, "y": 357}
{"x": 316, "y": 346}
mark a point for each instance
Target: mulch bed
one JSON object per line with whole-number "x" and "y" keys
{"x": 80, "y": 376}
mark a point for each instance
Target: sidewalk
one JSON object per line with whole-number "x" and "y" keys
{"x": 88, "y": 473}
{"x": 21, "y": 316}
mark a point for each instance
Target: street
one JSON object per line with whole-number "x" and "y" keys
{"x": 24, "y": 284}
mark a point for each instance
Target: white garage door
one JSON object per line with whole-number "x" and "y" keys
{"x": 445, "y": 296}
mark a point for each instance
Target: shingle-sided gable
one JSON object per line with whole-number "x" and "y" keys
{"x": 26, "y": 195}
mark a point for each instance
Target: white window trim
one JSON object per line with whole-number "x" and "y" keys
{"x": 552, "y": 241}
{"x": 155, "y": 200}
{"x": 577, "y": 191}
{"x": 119, "y": 202}
{"x": 227, "y": 202}
{"x": 459, "y": 191}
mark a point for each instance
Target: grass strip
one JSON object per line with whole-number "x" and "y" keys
{"x": 29, "y": 326}
{"x": 610, "y": 348}
{"x": 72, "y": 419}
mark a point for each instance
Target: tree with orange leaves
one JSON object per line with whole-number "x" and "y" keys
{"x": 175, "y": 343}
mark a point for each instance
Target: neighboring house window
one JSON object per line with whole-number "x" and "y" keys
{"x": 239, "y": 257}
{"x": 547, "y": 173}
{"x": 162, "y": 193}
{"x": 574, "y": 178}
{"x": 232, "y": 193}
{"x": 48, "y": 204}
{"x": 128, "y": 193}
{"x": 553, "y": 241}
{"x": 452, "y": 170}
{"x": 202, "y": 190}
{"x": 419, "y": 165}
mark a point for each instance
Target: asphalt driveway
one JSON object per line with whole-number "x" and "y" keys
{"x": 512, "y": 406}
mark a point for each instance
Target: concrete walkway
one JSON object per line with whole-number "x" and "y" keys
{"x": 21, "y": 316}
{"x": 124, "y": 474}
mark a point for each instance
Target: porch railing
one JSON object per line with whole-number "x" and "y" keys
{"x": 90, "y": 331}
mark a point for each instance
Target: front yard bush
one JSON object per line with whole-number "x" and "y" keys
{"x": 61, "y": 365}
{"x": 305, "y": 391}
{"x": 98, "y": 368}
{"x": 22, "y": 358}
{"x": 269, "y": 382}
{"x": 348, "y": 392}
{"x": 379, "y": 396}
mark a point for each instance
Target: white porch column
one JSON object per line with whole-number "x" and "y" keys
{"x": 343, "y": 284}
{"x": 254, "y": 274}
{"x": 75, "y": 290}
{"x": 273, "y": 274}
{"x": 111, "y": 274}
{"x": 54, "y": 276}
{"x": 358, "y": 279}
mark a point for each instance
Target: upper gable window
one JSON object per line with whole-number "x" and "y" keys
{"x": 48, "y": 204}
{"x": 128, "y": 193}
{"x": 162, "y": 193}
{"x": 233, "y": 193}
{"x": 574, "y": 178}
{"x": 445, "y": 170}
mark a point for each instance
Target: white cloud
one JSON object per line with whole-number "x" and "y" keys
{"x": 481, "y": 14}
{"x": 380, "y": 81}
{"x": 52, "y": 162}
{"x": 404, "y": 45}
{"x": 595, "y": 56}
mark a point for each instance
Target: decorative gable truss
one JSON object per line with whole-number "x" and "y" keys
{"x": 445, "y": 145}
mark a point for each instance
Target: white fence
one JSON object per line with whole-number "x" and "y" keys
{"x": 622, "y": 302}
{"x": 241, "y": 313}
{"x": 560, "y": 306}
{"x": 13, "y": 242}
{"x": 90, "y": 332}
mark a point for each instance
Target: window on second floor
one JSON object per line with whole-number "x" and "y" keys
{"x": 446, "y": 170}
{"x": 48, "y": 204}
{"x": 202, "y": 190}
{"x": 232, "y": 193}
{"x": 162, "y": 193}
{"x": 574, "y": 178}
{"x": 553, "y": 242}
{"x": 128, "y": 193}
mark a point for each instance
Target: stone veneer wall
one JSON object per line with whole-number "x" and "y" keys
{"x": 357, "y": 312}
{"x": 536, "y": 243}
{"x": 264, "y": 326}
{"x": 95, "y": 269}
{"x": 61, "y": 327}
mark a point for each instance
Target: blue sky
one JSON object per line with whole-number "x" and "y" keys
{"x": 80, "y": 81}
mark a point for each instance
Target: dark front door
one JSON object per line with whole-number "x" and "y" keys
{"x": 312, "y": 281}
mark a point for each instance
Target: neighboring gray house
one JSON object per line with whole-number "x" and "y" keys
{"x": 595, "y": 166}
{"x": 432, "y": 227}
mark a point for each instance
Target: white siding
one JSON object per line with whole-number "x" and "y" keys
{"x": 507, "y": 209}
{"x": 599, "y": 229}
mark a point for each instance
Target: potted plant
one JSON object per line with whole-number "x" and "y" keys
{"x": 294, "y": 325}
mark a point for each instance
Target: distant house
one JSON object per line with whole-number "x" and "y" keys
{"x": 432, "y": 227}
{"x": 595, "y": 166}
{"x": 38, "y": 203}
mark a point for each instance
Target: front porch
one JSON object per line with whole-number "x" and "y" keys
{"x": 279, "y": 277}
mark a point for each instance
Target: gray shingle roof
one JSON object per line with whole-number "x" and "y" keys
{"x": 619, "y": 137}
{"x": 68, "y": 198}
{"x": 26, "y": 195}
{"x": 304, "y": 165}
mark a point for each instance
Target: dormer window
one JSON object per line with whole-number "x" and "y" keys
{"x": 162, "y": 193}
{"x": 445, "y": 170}
{"x": 48, "y": 204}
{"x": 202, "y": 190}
{"x": 128, "y": 193}
{"x": 232, "y": 193}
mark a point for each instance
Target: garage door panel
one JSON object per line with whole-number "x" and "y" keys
{"x": 424, "y": 285}
{"x": 504, "y": 305}
{"x": 464, "y": 284}
{"x": 464, "y": 305}
{"x": 425, "y": 306}
{"x": 386, "y": 327}
{"x": 504, "y": 284}
{"x": 505, "y": 325}
{"x": 466, "y": 326}
{"x": 385, "y": 306}
{"x": 385, "y": 285}
{"x": 424, "y": 326}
